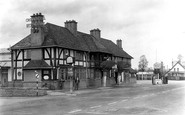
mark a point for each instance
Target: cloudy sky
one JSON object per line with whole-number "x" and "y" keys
{"x": 154, "y": 28}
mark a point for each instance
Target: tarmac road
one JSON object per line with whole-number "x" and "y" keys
{"x": 139, "y": 99}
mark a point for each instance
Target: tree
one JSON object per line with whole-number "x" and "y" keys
{"x": 143, "y": 63}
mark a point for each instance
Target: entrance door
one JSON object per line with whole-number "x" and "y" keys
{"x": 62, "y": 78}
{"x": 4, "y": 78}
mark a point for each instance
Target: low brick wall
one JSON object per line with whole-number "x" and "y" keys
{"x": 21, "y": 92}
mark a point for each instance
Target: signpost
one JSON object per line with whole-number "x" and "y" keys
{"x": 37, "y": 77}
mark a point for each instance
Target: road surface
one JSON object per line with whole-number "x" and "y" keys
{"x": 139, "y": 99}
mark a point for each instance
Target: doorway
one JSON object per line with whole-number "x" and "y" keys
{"x": 4, "y": 78}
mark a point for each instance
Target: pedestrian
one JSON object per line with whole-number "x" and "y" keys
{"x": 116, "y": 78}
{"x": 77, "y": 81}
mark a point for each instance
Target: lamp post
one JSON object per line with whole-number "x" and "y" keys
{"x": 70, "y": 61}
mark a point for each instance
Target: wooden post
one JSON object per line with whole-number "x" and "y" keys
{"x": 71, "y": 80}
{"x": 37, "y": 87}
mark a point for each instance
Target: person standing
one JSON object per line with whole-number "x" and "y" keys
{"x": 77, "y": 81}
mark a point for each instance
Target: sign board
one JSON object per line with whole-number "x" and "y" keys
{"x": 70, "y": 60}
{"x": 19, "y": 74}
{"x": 37, "y": 75}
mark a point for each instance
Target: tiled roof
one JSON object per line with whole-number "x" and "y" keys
{"x": 36, "y": 64}
{"x": 62, "y": 37}
{"x": 25, "y": 42}
{"x": 114, "y": 49}
{"x": 93, "y": 44}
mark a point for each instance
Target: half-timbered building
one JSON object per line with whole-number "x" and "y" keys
{"x": 97, "y": 61}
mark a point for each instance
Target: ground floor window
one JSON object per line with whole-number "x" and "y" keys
{"x": 63, "y": 74}
{"x": 46, "y": 74}
{"x": 91, "y": 73}
{"x": 98, "y": 74}
{"x": 80, "y": 73}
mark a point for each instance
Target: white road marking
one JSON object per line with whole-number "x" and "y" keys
{"x": 162, "y": 110}
{"x": 74, "y": 111}
{"x": 137, "y": 97}
{"x": 95, "y": 106}
{"x": 112, "y": 103}
{"x": 95, "y": 112}
{"x": 164, "y": 91}
{"x": 144, "y": 96}
{"x": 124, "y": 100}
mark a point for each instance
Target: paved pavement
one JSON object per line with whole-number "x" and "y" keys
{"x": 83, "y": 91}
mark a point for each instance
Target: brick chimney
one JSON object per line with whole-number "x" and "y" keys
{"x": 71, "y": 25}
{"x": 119, "y": 43}
{"x": 37, "y": 33}
{"x": 96, "y": 33}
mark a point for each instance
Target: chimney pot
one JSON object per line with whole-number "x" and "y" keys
{"x": 119, "y": 43}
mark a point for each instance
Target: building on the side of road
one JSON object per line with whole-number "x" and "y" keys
{"x": 97, "y": 61}
{"x": 5, "y": 67}
{"x": 177, "y": 71}
{"x": 147, "y": 75}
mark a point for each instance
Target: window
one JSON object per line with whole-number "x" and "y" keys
{"x": 91, "y": 73}
{"x": 78, "y": 55}
{"x": 27, "y": 54}
{"x": 46, "y": 74}
{"x": 97, "y": 74}
{"x": 63, "y": 74}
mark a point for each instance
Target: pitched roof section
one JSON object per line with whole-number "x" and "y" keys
{"x": 55, "y": 36}
{"x": 92, "y": 43}
{"x": 36, "y": 64}
{"x": 114, "y": 49}
{"x": 62, "y": 37}
{"x": 25, "y": 42}
{"x": 178, "y": 62}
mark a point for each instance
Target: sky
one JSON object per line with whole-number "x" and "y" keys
{"x": 154, "y": 28}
